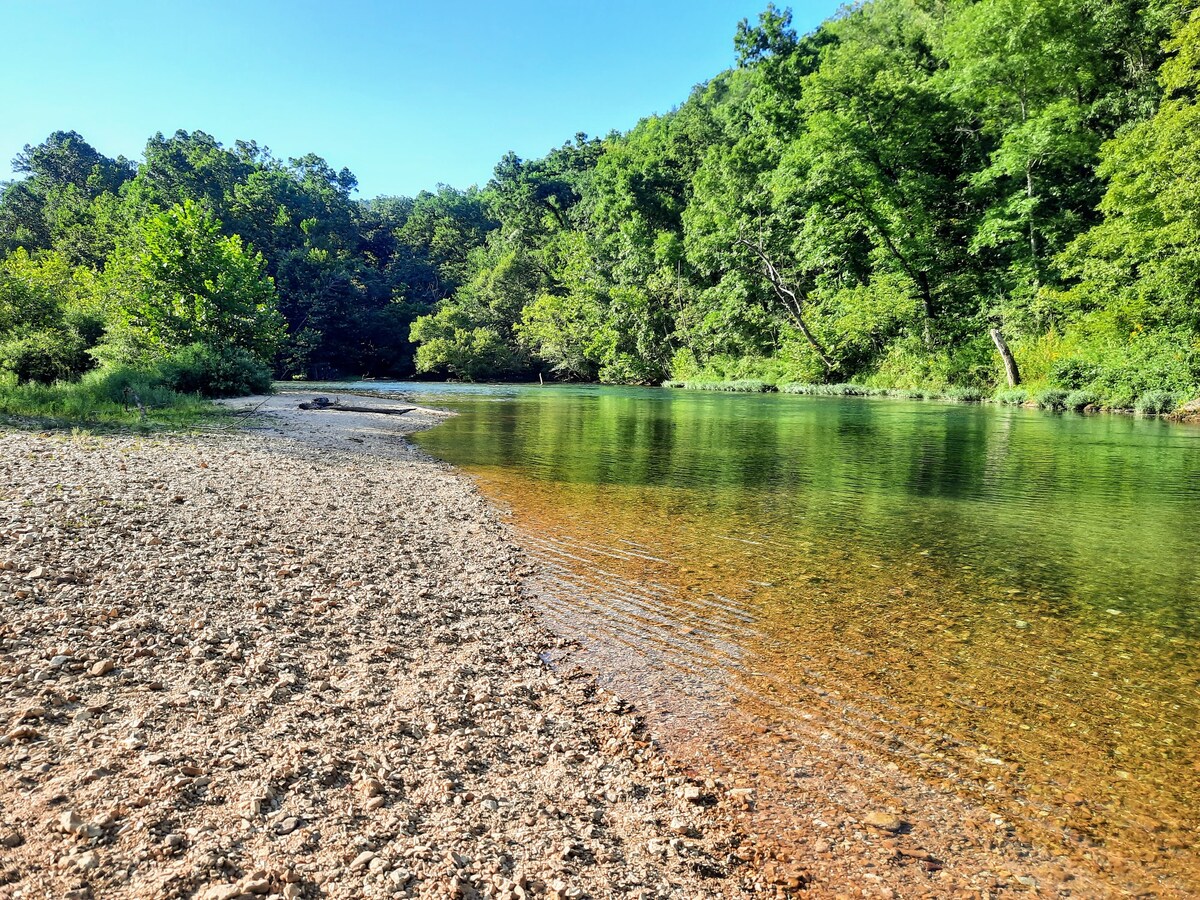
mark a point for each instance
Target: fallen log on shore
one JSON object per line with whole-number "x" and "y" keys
{"x": 323, "y": 403}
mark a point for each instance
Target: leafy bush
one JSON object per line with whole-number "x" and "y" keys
{"x": 1011, "y": 396}
{"x": 1153, "y": 403}
{"x": 1073, "y": 373}
{"x": 1077, "y": 400}
{"x": 1051, "y": 398}
{"x": 200, "y": 369}
{"x": 44, "y": 356}
{"x": 672, "y": 384}
{"x": 962, "y": 394}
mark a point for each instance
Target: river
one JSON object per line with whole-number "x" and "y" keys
{"x": 865, "y": 601}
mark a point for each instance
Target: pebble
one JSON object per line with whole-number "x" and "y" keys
{"x": 884, "y": 821}
{"x": 287, "y": 826}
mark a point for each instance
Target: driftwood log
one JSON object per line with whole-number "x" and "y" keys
{"x": 326, "y": 403}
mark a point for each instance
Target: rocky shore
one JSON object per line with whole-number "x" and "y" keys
{"x": 293, "y": 661}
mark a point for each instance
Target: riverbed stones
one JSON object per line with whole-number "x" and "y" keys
{"x": 177, "y": 721}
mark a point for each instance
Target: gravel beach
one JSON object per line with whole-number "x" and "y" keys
{"x": 292, "y": 660}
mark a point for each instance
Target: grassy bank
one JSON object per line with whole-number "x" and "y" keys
{"x": 113, "y": 398}
{"x": 1049, "y": 398}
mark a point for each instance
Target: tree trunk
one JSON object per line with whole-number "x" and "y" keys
{"x": 1010, "y": 364}
{"x": 792, "y": 302}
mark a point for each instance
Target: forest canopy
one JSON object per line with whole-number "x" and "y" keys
{"x": 892, "y": 199}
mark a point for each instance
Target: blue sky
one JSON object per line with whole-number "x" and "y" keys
{"x": 404, "y": 94}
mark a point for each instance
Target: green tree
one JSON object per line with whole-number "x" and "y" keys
{"x": 181, "y": 282}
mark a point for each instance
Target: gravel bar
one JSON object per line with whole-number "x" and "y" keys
{"x": 293, "y": 660}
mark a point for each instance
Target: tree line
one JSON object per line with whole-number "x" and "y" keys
{"x": 918, "y": 193}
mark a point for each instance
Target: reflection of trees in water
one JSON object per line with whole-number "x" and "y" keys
{"x": 1070, "y": 511}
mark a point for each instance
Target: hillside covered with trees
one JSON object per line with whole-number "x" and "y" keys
{"x": 893, "y": 199}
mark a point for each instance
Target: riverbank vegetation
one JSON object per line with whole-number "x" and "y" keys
{"x": 921, "y": 195}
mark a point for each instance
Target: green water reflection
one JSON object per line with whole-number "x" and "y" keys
{"x": 1100, "y": 511}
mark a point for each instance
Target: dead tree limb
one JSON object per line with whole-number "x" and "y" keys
{"x": 791, "y": 299}
{"x": 342, "y": 407}
{"x": 1010, "y": 364}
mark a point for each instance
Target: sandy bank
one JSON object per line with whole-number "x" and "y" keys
{"x": 294, "y": 662}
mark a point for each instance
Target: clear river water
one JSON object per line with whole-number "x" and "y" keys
{"x": 998, "y": 604}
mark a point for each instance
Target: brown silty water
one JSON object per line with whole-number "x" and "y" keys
{"x": 1050, "y": 751}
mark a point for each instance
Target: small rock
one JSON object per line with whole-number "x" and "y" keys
{"x": 287, "y": 826}
{"x": 10, "y": 838}
{"x": 87, "y": 862}
{"x": 222, "y": 892}
{"x": 103, "y": 667}
{"x": 883, "y": 821}
{"x": 362, "y": 861}
{"x": 70, "y": 822}
{"x": 372, "y": 787}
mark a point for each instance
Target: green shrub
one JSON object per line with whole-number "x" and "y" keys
{"x": 1011, "y": 396}
{"x": 672, "y": 384}
{"x": 962, "y": 394}
{"x": 1153, "y": 403}
{"x": 1121, "y": 397}
{"x": 107, "y": 395}
{"x": 44, "y": 356}
{"x": 1077, "y": 400}
{"x": 1073, "y": 372}
{"x": 1051, "y": 398}
{"x": 833, "y": 390}
{"x": 742, "y": 386}
{"x": 200, "y": 369}
{"x": 903, "y": 394}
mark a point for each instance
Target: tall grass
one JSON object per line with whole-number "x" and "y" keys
{"x": 741, "y": 386}
{"x": 1153, "y": 403}
{"x": 1011, "y": 396}
{"x": 1051, "y": 398}
{"x": 1080, "y": 400}
{"x": 108, "y": 396}
{"x": 832, "y": 390}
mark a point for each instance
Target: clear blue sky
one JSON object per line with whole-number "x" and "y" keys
{"x": 405, "y": 94}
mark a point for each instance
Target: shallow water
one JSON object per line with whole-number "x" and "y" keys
{"x": 1002, "y": 602}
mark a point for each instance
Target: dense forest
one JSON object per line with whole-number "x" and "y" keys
{"x": 896, "y": 199}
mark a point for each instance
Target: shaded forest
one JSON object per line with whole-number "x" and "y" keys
{"x": 894, "y": 199}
